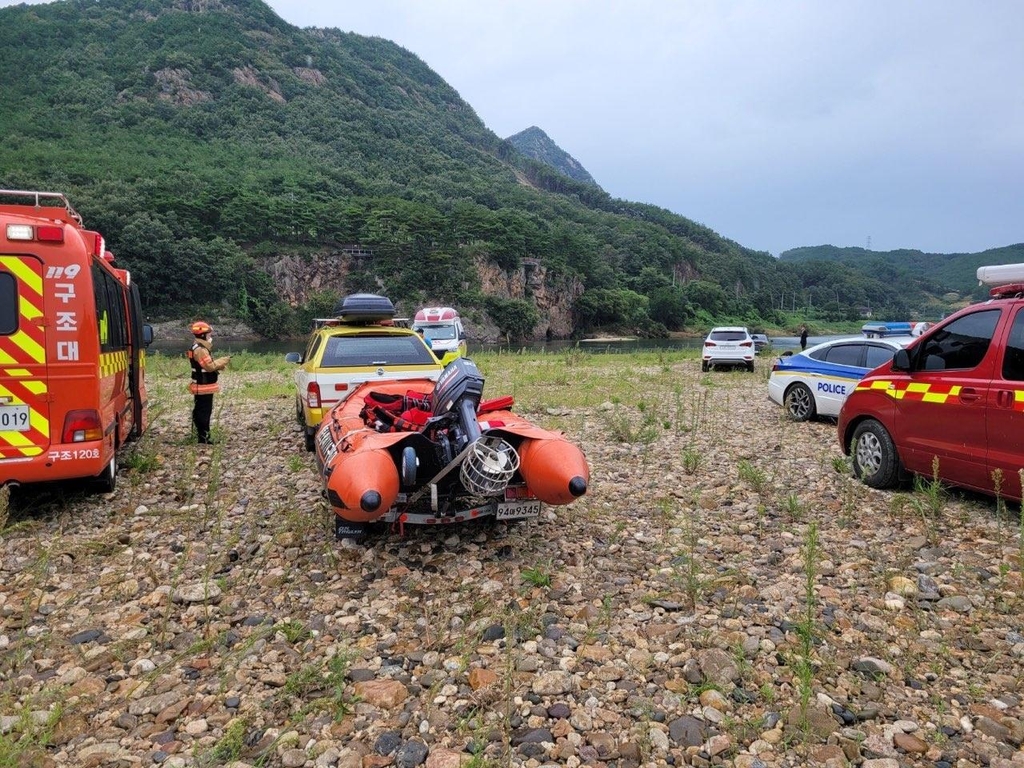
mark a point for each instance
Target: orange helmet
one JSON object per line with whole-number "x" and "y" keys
{"x": 200, "y": 328}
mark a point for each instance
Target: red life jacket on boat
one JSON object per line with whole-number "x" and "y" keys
{"x": 410, "y": 412}
{"x": 396, "y": 413}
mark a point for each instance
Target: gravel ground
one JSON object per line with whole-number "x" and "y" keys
{"x": 726, "y": 594}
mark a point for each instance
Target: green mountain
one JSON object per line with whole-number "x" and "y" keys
{"x": 536, "y": 144}
{"x": 215, "y": 145}
{"x": 938, "y": 273}
{"x": 240, "y": 164}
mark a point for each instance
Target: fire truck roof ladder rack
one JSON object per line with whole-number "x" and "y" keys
{"x": 53, "y": 200}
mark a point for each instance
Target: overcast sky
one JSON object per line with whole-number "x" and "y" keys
{"x": 777, "y": 124}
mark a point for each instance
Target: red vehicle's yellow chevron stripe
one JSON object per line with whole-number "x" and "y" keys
{"x": 876, "y": 384}
{"x": 1018, "y": 400}
{"x": 27, "y": 276}
{"x": 926, "y": 393}
{"x": 25, "y": 347}
{"x": 16, "y": 391}
{"x": 27, "y": 344}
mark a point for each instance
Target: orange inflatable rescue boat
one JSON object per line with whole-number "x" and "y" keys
{"x": 417, "y": 452}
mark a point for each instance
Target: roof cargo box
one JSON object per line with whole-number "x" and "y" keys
{"x": 364, "y": 308}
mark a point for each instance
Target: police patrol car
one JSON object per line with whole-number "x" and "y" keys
{"x": 816, "y": 382}
{"x": 953, "y": 403}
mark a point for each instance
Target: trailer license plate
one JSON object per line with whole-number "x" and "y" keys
{"x": 515, "y": 510}
{"x": 14, "y": 418}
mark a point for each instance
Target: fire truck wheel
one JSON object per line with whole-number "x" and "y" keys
{"x": 874, "y": 455}
{"x": 106, "y": 481}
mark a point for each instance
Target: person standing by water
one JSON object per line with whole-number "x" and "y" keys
{"x": 803, "y": 337}
{"x": 204, "y": 379}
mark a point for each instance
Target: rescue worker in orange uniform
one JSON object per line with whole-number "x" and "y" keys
{"x": 204, "y": 378}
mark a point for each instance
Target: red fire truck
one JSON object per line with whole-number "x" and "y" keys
{"x": 72, "y": 347}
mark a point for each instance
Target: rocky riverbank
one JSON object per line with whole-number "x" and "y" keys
{"x": 725, "y": 595}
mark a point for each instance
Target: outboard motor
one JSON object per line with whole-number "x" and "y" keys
{"x": 458, "y": 392}
{"x": 490, "y": 462}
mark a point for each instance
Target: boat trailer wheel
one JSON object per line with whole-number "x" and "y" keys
{"x": 408, "y": 466}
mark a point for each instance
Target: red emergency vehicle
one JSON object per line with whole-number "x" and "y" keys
{"x": 954, "y": 397}
{"x": 72, "y": 346}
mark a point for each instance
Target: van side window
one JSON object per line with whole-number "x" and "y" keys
{"x": 99, "y": 290}
{"x": 8, "y": 304}
{"x": 118, "y": 315}
{"x": 1013, "y": 358}
{"x": 110, "y": 311}
{"x": 961, "y": 345}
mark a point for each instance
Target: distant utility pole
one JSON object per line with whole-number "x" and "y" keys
{"x": 869, "y": 243}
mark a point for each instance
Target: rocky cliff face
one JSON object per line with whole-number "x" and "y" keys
{"x": 553, "y": 298}
{"x": 300, "y": 277}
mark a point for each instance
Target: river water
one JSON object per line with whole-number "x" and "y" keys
{"x": 226, "y": 346}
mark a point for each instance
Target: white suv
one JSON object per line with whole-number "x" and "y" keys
{"x": 728, "y": 345}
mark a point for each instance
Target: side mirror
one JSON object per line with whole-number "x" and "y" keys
{"x": 901, "y": 360}
{"x": 293, "y": 357}
{"x": 147, "y": 334}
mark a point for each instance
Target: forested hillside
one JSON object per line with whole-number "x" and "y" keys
{"x": 937, "y": 273}
{"x": 208, "y": 140}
